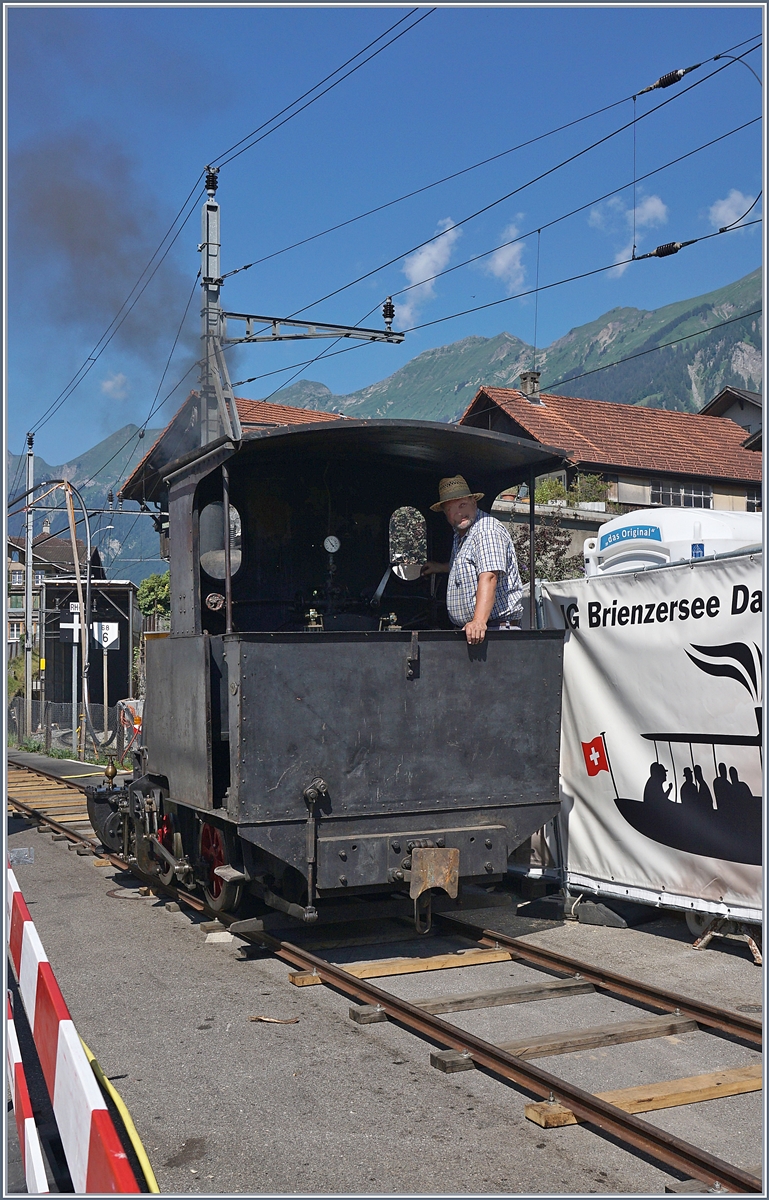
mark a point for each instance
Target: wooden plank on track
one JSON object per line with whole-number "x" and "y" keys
{"x": 551, "y": 989}
{"x": 407, "y": 966}
{"x": 572, "y": 1040}
{"x": 652, "y": 1096}
{"x": 522, "y": 994}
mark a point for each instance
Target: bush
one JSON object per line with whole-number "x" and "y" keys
{"x": 551, "y": 545}
{"x": 549, "y": 490}
{"x": 587, "y": 489}
{"x": 15, "y": 674}
{"x": 154, "y": 595}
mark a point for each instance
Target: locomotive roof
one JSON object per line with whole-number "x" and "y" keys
{"x": 432, "y": 446}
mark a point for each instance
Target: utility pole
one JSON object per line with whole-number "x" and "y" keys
{"x": 219, "y": 414}
{"x": 29, "y": 537}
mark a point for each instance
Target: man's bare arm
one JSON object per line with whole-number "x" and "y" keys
{"x": 435, "y": 568}
{"x": 475, "y": 630}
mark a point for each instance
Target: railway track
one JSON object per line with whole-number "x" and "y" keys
{"x": 51, "y": 803}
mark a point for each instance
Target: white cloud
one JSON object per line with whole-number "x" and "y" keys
{"x": 730, "y": 209}
{"x": 505, "y": 263}
{"x": 616, "y": 220}
{"x": 420, "y": 267}
{"x": 620, "y": 258}
{"x": 651, "y": 211}
{"x": 115, "y": 386}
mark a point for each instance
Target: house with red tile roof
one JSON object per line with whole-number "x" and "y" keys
{"x": 179, "y": 437}
{"x": 648, "y": 456}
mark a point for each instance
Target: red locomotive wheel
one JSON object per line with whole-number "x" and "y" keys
{"x": 169, "y": 837}
{"x": 219, "y": 895}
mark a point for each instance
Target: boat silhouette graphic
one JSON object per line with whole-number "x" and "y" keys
{"x": 680, "y": 808}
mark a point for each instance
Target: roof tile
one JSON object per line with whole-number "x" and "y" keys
{"x": 603, "y": 433}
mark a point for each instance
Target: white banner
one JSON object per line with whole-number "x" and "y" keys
{"x": 661, "y": 734}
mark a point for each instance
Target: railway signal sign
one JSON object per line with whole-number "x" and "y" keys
{"x": 69, "y": 631}
{"x": 106, "y": 634}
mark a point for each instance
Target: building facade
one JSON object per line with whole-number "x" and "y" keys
{"x": 647, "y": 456}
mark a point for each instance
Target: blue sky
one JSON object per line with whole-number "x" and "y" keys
{"x": 113, "y": 113}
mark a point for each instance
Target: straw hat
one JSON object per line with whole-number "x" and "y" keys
{"x": 454, "y": 488}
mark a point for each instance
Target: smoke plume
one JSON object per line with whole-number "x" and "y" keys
{"x": 82, "y": 227}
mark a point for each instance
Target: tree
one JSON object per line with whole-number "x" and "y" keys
{"x": 154, "y": 595}
{"x": 16, "y": 674}
{"x": 551, "y": 546}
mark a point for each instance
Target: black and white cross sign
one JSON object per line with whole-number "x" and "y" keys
{"x": 69, "y": 631}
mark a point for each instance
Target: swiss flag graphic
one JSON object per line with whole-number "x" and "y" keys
{"x": 595, "y": 755}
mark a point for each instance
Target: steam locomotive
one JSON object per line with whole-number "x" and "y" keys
{"x": 314, "y": 727}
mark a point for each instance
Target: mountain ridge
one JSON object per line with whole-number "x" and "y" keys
{"x": 439, "y": 383}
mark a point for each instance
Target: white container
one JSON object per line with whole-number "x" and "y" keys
{"x": 653, "y": 537}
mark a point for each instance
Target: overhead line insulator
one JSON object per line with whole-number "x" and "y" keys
{"x": 670, "y": 78}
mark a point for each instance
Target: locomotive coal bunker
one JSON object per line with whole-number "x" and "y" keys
{"x": 314, "y": 726}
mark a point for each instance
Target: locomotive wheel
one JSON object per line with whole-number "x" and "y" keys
{"x": 168, "y": 836}
{"x": 107, "y": 823}
{"x": 215, "y": 852}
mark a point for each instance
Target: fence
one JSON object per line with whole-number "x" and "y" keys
{"x": 52, "y": 726}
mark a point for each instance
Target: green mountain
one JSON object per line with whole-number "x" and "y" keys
{"x": 439, "y": 384}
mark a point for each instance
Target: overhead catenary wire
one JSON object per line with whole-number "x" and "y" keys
{"x": 651, "y": 349}
{"x": 447, "y": 178}
{"x": 580, "y": 208}
{"x": 227, "y": 156}
{"x": 117, "y": 320}
{"x": 734, "y": 224}
{"x": 573, "y": 278}
{"x": 528, "y": 292}
{"x": 508, "y": 195}
{"x": 520, "y": 237}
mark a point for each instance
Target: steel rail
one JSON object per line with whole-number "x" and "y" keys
{"x": 627, "y": 1128}
{"x": 659, "y": 1144}
{"x": 73, "y": 836}
{"x": 67, "y": 779}
{"x": 734, "y": 1024}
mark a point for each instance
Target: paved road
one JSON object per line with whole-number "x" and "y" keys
{"x": 226, "y": 1105}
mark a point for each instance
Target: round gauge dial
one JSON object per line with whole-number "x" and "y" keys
{"x": 332, "y": 544}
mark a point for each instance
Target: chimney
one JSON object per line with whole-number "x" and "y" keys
{"x": 530, "y": 386}
{"x": 46, "y": 526}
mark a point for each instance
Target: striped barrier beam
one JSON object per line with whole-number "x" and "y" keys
{"x": 29, "y": 1139}
{"x": 95, "y": 1156}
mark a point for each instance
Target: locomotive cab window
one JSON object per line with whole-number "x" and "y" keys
{"x": 408, "y": 542}
{"x": 212, "y": 540}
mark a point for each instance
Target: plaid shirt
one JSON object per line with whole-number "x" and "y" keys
{"x": 487, "y": 546}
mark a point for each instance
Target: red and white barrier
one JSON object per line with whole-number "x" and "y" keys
{"x": 29, "y": 1140}
{"x": 95, "y": 1157}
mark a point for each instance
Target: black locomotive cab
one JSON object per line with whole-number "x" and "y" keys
{"x": 314, "y": 725}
